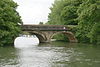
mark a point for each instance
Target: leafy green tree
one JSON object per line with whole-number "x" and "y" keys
{"x": 9, "y": 22}
{"x": 54, "y": 16}
{"x": 64, "y": 12}
{"x": 84, "y": 13}
{"x": 69, "y": 12}
{"x": 89, "y": 21}
{"x": 41, "y": 23}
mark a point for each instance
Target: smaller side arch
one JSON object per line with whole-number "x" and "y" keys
{"x": 70, "y": 36}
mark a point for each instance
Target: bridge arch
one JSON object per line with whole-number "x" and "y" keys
{"x": 70, "y": 35}
{"x": 39, "y": 35}
{"x": 46, "y": 36}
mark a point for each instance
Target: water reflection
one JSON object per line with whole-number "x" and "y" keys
{"x": 43, "y": 55}
{"x": 25, "y": 42}
{"x": 55, "y": 54}
{"x": 34, "y": 57}
{"x": 8, "y": 57}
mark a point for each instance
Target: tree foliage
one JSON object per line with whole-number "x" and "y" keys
{"x": 41, "y": 23}
{"x": 84, "y": 13}
{"x": 64, "y": 12}
{"x": 54, "y": 16}
{"x": 89, "y": 21}
{"x": 9, "y": 22}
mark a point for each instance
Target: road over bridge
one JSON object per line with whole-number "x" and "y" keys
{"x": 46, "y": 32}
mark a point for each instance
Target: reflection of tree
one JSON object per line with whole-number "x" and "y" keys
{"x": 8, "y": 57}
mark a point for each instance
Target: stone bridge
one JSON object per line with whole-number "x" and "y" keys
{"x": 46, "y": 32}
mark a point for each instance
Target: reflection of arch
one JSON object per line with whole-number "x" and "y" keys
{"x": 70, "y": 36}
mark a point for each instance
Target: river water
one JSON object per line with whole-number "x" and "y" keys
{"x": 29, "y": 53}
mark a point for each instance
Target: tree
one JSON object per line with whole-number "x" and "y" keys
{"x": 64, "y": 12}
{"x": 9, "y": 22}
{"x": 54, "y": 16}
{"x": 84, "y": 13}
{"x": 89, "y": 21}
{"x": 41, "y": 23}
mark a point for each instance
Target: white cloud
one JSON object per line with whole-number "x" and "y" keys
{"x": 34, "y": 11}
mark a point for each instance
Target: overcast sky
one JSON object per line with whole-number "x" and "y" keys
{"x": 34, "y": 11}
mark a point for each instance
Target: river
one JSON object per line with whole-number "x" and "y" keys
{"x": 29, "y": 53}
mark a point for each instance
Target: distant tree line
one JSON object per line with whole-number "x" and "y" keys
{"x": 83, "y": 13}
{"x": 9, "y": 22}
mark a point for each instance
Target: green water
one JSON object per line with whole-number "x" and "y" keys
{"x": 55, "y": 54}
